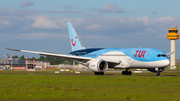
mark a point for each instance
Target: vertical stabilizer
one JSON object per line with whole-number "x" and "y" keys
{"x": 74, "y": 41}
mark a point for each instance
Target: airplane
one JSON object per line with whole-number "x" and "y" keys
{"x": 98, "y": 60}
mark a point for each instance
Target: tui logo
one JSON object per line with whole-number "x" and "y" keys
{"x": 74, "y": 42}
{"x": 140, "y": 53}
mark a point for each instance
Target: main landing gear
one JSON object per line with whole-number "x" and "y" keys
{"x": 126, "y": 72}
{"x": 98, "y": 73}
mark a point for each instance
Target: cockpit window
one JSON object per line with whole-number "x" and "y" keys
{"x": 161, "y": 55}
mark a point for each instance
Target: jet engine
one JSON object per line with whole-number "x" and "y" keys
{"x": 98, "y": 65}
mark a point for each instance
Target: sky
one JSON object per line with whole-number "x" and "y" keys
{"x": 40, "y": 25}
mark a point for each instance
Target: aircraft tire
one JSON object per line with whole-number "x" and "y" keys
{"x": 126, "y": 72}
{"x": 98, "y": 73}
{"x": 123, "y": 73}
{"x": 129, "y": 72}
{"x": 157, "y": 74}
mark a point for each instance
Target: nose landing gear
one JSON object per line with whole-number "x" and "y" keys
{"x": 157, "y": 72}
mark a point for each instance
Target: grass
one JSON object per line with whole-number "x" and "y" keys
{"x": 37, "y": 86}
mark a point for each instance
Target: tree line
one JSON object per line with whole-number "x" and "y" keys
{"x": 52, "y": 60}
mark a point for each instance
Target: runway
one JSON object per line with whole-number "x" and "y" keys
{"x": 88, "y": 72}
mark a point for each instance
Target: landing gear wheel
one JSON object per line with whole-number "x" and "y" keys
{"x": 157, "y": 74}
{"x": 129, "y": 72}
{"x": 123, "y": 72}
{"x": 126, "y": 72}
{"x": 98, "y": 73}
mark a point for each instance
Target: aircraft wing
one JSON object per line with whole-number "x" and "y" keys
{"x": 82, "y": 59}
{"x": 78, "y": 58}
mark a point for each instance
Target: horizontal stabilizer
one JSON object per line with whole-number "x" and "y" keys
{"x": 170, "y": 53}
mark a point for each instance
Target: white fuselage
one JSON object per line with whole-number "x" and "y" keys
{"x": 128, "y": 62}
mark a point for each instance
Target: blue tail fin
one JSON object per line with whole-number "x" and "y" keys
{"x": 75, "y": 42}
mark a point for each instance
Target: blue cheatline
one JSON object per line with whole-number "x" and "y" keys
{"x": 139, "y": 54}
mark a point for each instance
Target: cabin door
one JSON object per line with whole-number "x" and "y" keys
{"x": 130, "y": 60}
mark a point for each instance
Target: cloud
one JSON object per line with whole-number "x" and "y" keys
{"x": 17, "y": 25}
{"x": 154, "y": 12}
{"x": 16, "y": 12}
{"x": 5, "y": 23}
{"x": 107, "y": 26}
{"x": 44, "y": 22}
{"x": 110, "y": 8}
{"x": 26, "y": 4}
{"x": 103, "y": 25}
{"x": 21, "y": 12}
{"x": 62, "y": 11}
{"x": 94, "y": 26}
{"x": 68, "y": 7}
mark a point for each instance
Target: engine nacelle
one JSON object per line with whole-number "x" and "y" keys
{"x": 98, "y": 65}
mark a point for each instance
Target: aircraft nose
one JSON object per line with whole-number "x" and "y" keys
{"x": 166, "y": 62}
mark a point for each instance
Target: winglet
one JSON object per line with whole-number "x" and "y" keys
{"x": 12, "y": 49}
